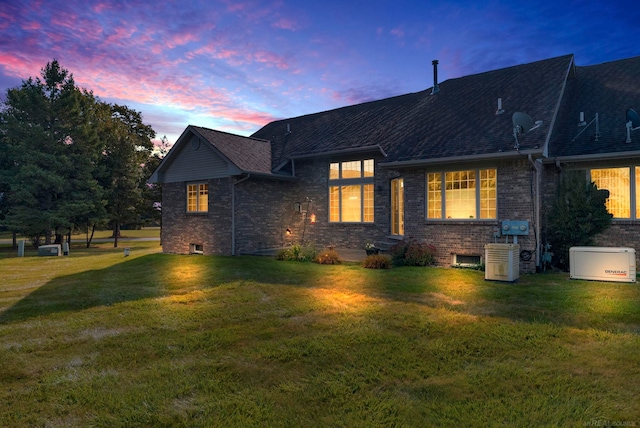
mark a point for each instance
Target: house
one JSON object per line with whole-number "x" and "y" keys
{"x": 448, "y": 166}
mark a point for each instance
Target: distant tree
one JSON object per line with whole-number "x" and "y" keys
{"x": 127, "y": 147}
{"x": 577, "y": 215}
{"x": 151, "y": 208}
{"x": 52, "y": 145}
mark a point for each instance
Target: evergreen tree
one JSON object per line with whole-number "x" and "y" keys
{"x": 577, "y": 215}
{"x": 46, "y": 123}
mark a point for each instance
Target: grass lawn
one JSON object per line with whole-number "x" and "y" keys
{"x": 145, "y": 232}
{"x": 97, "y": 339}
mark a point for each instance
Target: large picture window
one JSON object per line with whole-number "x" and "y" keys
{"x": 469, "y": 194}
{"x": 351, "y": 191}
{"x": 197, "y": 197}
{"x": 622, "y": 184}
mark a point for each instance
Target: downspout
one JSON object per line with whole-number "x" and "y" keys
{"x": 536, "y": 166}
{"x": 233, "y": 213}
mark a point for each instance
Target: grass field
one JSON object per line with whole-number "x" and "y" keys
{"x": 146, "y": 232}
{"x": 99, "y": 339}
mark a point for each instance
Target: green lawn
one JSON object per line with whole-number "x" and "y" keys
{"x": 99, "y": 339}
{"x": 145, "y": 232}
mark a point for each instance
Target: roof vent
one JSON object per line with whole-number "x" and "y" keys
{"x": 585, "y": 125}
{"x": 633, "y": 122}
{"x": 500, "y": 110}
{"x": 436, "y": 88}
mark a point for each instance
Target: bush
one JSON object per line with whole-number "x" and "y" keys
{"x": 412, "y": 253}
{"x": 297, "y": 252}
{"x": 328, "y": 257}
{"x": 377, "y": 261}
{"x": 578, "y": 214}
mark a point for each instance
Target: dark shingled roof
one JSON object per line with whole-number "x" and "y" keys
{"x": 458, "y": 121}
{"x": 608, "y": 89}
{"x": 247, "y": 153}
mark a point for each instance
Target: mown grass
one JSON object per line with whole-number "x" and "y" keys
{"x": 146, "y": 232}
{"x": 164, "y": 340}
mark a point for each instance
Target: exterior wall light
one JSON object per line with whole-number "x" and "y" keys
{"x": 312, "y": 218}
{"x": 288, "y": 232}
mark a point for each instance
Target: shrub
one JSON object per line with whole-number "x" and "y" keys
{"x": 577, "y": 215}
{"x": 328, "y": 257}
{"x": 412, "y": 253}
{"x": 377, "y": 261}
{"x": 297, "y": 252}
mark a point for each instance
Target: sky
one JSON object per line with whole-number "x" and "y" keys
{"x": 236, "y": 65}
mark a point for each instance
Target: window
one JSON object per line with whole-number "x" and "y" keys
{"x": 351, "y": 191}
{"x": 467, "y": 194}
{"x": 621, "y": 184}
{"x": 397, "y": 206}
{"x": 197, "y": 197}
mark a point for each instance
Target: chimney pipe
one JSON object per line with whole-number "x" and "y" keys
{"x": 435, "y": 89}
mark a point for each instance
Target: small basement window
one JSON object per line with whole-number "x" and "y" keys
{"x": 196, "y": 249}
{"x": 465, "y": 260}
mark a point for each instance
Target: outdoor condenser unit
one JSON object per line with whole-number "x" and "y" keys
{"x": 602, "y": 264}
{"x": 502, "y": 262}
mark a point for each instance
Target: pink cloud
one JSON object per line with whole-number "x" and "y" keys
{"x": 398, "y": 32}
{"x": 286, "y": 24}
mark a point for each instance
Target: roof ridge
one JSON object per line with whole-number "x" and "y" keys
{"x": 229, "y": 133}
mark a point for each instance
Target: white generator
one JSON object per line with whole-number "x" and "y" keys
{"x": 602, "y": 264}
{"x": 502, "y": 262}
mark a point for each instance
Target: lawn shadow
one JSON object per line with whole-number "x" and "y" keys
{"x": 129, "y": 280}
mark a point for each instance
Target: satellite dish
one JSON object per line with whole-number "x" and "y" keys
{"x": 633, "y": 117}
{"x": 522, "y": 122}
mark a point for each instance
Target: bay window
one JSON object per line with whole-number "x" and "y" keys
{"x": 351, "y": 191}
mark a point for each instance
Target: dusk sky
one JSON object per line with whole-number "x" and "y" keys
{"x": 237, "y": 65}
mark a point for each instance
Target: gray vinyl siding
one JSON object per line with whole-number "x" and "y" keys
{"x": 201, "y": 164}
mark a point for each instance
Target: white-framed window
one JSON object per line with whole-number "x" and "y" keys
{"x": 351, "y": 191}
{"x": 467, "y": 194}
{"x": 622, "y": 184}
{"x": 197, "y": 197}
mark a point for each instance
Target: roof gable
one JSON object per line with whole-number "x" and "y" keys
{"x": 202, "y": 153}
{"x": 460, "y": 120}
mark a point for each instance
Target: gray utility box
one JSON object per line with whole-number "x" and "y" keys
{"x": 50, "y": 250}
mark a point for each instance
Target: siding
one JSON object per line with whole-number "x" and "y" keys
{"x": 201, "y": 164}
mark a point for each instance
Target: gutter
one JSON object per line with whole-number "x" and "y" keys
{"x": 593, "y": 156}
{"x": 233, "y": 212}
{"x": 459, "y": 159}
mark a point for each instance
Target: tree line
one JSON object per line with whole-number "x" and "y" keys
{"x": 71, "y": 162}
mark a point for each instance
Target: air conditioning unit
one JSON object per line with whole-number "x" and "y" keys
{"x": 502, "y": 262}
{"x": 50, "y": 250}
{"x": 602, "y": 263}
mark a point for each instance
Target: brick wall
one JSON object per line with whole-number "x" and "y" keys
{"x": 265, "y": 209}
{"x": 212, "y": 230}
{"x": 515, "y": 202}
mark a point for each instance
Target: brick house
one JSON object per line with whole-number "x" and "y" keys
{"x": 447, "y": 166}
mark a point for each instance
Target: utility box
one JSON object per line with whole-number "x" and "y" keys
{"x": 616, "y": 264}
{"x": 50, "y": 250}
{"x": 502, "y": 262}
